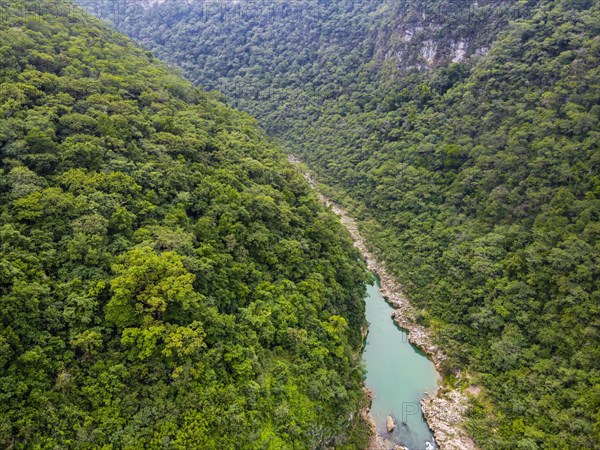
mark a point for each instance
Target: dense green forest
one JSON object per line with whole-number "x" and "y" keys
{"x": 167, "y": 279}
{"x": 466, "y": 139}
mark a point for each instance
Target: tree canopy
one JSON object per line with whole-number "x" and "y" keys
{"x": 464, "y": 135}
{"x": 167, "y": 279}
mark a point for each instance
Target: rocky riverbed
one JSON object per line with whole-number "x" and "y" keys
{"x": 444, "y": 409}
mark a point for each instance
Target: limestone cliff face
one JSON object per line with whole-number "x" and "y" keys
{"x": 427, "y": 34}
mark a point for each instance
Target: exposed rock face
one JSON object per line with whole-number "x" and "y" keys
{"x": 390, "y": 424}
{"x": 444, "y": 413}
{"x": 428, "y": 35}
{"x": 444, "y": 409}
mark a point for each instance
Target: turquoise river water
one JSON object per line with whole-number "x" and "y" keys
{"x": 398, "y": 375}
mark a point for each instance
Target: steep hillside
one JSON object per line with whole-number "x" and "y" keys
{"x": 468, "y": 143}
{"x": 280, "y": 61}
{"x": 166, "y": 278}
{"x": 288, "y": 63}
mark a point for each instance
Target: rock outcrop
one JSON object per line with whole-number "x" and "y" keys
{"x": 390, "y": 424}
{"x": 445, "y": 413}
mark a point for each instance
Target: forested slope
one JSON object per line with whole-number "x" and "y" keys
{"x": 476, "y": 173}
{"x": 167, "y": 280}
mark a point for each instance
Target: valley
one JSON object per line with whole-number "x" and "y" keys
{"x": 170, "y": 277}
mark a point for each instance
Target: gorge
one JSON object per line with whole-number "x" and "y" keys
{"x": 168, "y": 279}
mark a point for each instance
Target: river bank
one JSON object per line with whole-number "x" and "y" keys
{"x": 443, "y": 409}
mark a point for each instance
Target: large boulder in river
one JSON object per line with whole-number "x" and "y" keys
{"x": 390, "y": 424}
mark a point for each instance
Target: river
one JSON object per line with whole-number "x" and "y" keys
{"x": 398, "y": 375}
